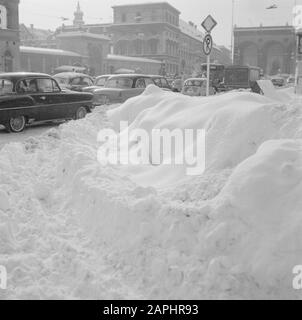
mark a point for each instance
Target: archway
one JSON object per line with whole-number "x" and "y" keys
{"x": 249, "y": 54}
{"x": 274, "y": 58}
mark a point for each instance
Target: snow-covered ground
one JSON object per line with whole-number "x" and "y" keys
{"x": 33, "y": 130}
{"x": 71, "y": 228}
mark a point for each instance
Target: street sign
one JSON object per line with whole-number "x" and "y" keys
{"x": 299, "y": 43}
{"x": 209, "y": 23}
{"x": 207, "y": 44}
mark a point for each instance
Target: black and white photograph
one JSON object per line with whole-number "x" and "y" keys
{"x": 150, "y": 151}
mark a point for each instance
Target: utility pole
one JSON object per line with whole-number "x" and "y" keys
{"x": 232, "y": 37}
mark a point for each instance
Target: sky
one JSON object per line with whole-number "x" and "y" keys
{"x": 46, "y": 14}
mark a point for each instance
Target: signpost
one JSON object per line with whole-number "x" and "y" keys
{"x": 208, "y": 24}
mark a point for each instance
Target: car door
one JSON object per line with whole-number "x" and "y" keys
{"x": 30, "y": 87}
{"x": 60, "y": 104}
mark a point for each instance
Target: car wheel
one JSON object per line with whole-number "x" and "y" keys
{"x": 17, "y": 124}
{"x": 81, "y": 113}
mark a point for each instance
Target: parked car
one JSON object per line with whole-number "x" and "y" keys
{"x": 170, "y": 81}
{"x": 291, "y": 80}
{"x": 197, "y": 87}
{"x": 161, "y": 82}
{"x": 119, "y": 88}
{"x": 278, "y": 81}
{"x": 99, "y": 82}
{"x": 177, "y": 85}
{"x": 73, "y": 80}
{"x": 29, "y": 97}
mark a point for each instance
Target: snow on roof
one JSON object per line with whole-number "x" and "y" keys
{"x": 135, "y": 59}
{"x": 190, "y": 30}
{"x": 48, "y": 51}
{"x": 82, "y": 34}
{"x": 193, "y": 32}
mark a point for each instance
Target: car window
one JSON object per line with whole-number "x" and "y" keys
{"x": 195, "y": 83}
{"x": 164, "y": 83}
{"x": 55, "y": 86}
{"x": 27, "y": 85}
{"x": 45, "y": 85}
{"x": 120, "y": 83}
{"x": 86, "y": 81}
{"x": 62, "y": 81}
{"x": 140, "y": 83}
{"x": 6, "y": 86}
{"x": 101, "y": 82}
{"x": 76, "y": 81}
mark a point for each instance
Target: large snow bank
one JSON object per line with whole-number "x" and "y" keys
{"x": 74, "y": 228}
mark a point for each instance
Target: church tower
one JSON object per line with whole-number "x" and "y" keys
{"x": 78, "y": 17}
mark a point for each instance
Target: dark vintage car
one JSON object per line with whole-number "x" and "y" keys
{"x": 119, "y": 88}
{"x": 73, "y": 80}
{"x": 29, "y": 97}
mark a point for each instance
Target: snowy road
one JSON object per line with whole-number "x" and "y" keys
{"x": 34, "y": 130}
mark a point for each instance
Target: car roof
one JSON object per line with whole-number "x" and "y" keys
{"x": 18, "y": 75}
{"x": 71, "y": 74}
{"x": 157, "y": 76}
{"x": 199, "y": 79}
{"x": 129, "y": 76}
{"x": 104, "y": 76}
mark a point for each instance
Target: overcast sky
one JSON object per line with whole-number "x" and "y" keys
{"x": 46, "y": 13}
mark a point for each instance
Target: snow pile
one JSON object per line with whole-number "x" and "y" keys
{"x": 75, "y": 229}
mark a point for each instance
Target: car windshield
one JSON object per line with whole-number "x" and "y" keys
{"x": 121, "y": 83}
{"x": 101, "y": 82}
{"x": 194, "y": 83}
{"x": 62, "y": 80}
{"x": 6, "y": 87}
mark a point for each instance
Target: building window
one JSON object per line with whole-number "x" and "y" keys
{"x": 153, "y": 15}
{"x": 124, "y": 17}
{"x": 8, "y": 62}
{"x": 138, "y": 17}
{"x": 3, "y": 17}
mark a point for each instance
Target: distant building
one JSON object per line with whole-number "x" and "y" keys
{"x": 270, "y": 48}
{"x": 78, "y": 17}
{"x": 9, "y": 35}
{"x": 152, "y": 33}
{"x": 91, "y": 45}
{"x": 47, "y": 60}
{"x": 33, "y": 37}
{"x": 155, "y": 31}
{"x": 116, "y": 64}
{"x": 90, "y": 41}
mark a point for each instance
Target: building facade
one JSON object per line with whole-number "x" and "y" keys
{"x": 9, "y": 35}
{"x": 46, "y": 60}
{"x": 149, "y": 31}
{"x": 89, "y": 41}
{"x": 273, "y": 49}
{"x": 155, "y": 31}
